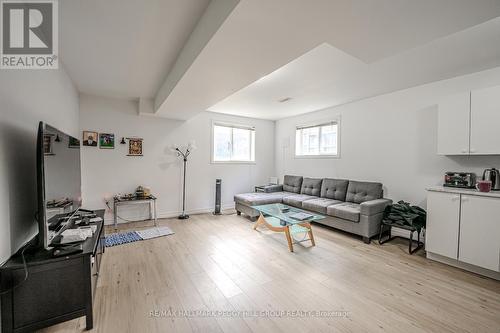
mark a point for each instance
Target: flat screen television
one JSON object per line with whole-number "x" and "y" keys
{"x": 58, "y": 181}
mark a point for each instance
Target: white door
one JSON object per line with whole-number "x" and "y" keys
{"x": 485, "y": 121}
{"x": 480, "y": 232}
{"x": 443, "y": 217}
{"x": 453, "y": 125}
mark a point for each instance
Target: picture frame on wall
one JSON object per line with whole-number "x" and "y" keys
{"x": 73, "y": 142}
{"x": 134, "y": 147}
{"x": 106, "y": 140}
{"x": 89, "y": 138}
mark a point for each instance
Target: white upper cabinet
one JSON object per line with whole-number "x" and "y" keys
{"x": 453, "y": 125}
{"x": 485, "y": 121}
{"x": 468, "y": 122}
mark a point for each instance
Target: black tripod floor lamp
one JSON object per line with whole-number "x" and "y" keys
{"x": 184, "y": 153}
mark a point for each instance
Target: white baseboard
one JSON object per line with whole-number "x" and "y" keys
{"x": 467, "y": 267}
{"x": 227, "y": 208}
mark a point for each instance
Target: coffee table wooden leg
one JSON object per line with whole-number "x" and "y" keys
{"x": 311, "y": 237}
{"x": 310, "y": 232}
{"x": 289, "y": 239}
{"x": 258, "y": 222}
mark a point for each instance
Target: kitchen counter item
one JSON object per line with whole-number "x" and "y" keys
{"x": 460, "y": 179}
{"x": 492, "y": 175}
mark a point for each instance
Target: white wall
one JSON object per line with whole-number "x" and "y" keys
{"x": 389, "y": 138}
{"x": 26, "y": 97}
{"x": 106, "y": 172}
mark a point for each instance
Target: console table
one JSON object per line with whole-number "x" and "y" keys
{"x": 117, "y": 201}
{"x": 56, "y": 289}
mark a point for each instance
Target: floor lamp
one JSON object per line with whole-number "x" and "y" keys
{"x": 184, "y": 155}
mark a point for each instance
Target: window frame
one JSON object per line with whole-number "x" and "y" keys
{"x": 233, "y": 125}
{"x": 319, "y": 124}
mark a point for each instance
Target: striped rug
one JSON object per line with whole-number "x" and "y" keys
{"x": 138, "y": 235}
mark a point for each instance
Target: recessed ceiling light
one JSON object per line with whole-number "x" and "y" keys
{"x": 283, "y": 100}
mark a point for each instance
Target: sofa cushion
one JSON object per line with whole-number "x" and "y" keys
{"x": 319, "y": 204}
{"x": 346, "y": 210}
{"x": 292, "y": 183}
{"x": 311, "y": 186}
{"x": 374, "y": 207}
{"x": 359, "y": 192}
{"x": 334, "y": 188}
{"x": 260, "y": 198}
{"x": 296, "y": 199}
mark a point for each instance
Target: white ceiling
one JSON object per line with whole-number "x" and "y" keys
{"x": 320, "y": 53}
{"x": 326, "y": 76}
{"x": 124, "y": 48}
{"x": 260, "y": 36}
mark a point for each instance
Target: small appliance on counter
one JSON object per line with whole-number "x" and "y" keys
{"x": 460, "y": 179}
{"x": 493, "y": 175}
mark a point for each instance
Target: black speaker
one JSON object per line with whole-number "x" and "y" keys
{"x": 218, "y": 183}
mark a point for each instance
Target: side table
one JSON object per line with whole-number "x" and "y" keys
{"x": 118, "y": 201}
{"x": 267, "y": 188}
{"x": 388, "y": 226}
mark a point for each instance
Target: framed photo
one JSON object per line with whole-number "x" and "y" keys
{"x": 47, "y": 144}
{"x": 106, "y": 140}
{"x": 134, "y": 147}
{"x": 89, "y": 138}
{"x": 73, "y": 142}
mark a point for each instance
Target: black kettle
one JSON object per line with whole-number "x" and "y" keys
{"x": 492, "y": 175}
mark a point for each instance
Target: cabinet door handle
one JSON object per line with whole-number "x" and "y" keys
{"x": 455, "y": 198}
{"x": 472, "y": 150}
{"x": 465, "y": 199}
{"x": 464, "y": 151}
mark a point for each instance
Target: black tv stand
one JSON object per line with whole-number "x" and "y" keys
{"x": 57, "y": 288}
{"x": 66, "y": 250}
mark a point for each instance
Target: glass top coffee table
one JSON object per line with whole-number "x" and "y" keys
{"x": 287, "y": 219}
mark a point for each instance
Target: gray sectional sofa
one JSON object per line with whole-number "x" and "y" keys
{"x": 352, "y": 206}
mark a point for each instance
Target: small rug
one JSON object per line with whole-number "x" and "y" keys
{"x": 134, "y": 236}
{"x": 154, "y": 232}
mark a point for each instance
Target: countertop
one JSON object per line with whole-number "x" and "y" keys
{"x": 494, "y": 194}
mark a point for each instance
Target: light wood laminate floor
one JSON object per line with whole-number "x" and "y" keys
{"x": 220, "y": 263}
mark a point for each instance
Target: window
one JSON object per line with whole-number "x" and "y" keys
{"x": 317, "y": 140}
{"x": 233, "y": 143}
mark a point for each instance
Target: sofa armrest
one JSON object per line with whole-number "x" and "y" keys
{"x": 373, "y": 207}
{"x": 273, "y": 188}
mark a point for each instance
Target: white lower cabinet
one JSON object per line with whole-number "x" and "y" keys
{"x": 464, "y": 227}
{"x": 443, "y": 218}
{"x": 479, "y": 242}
